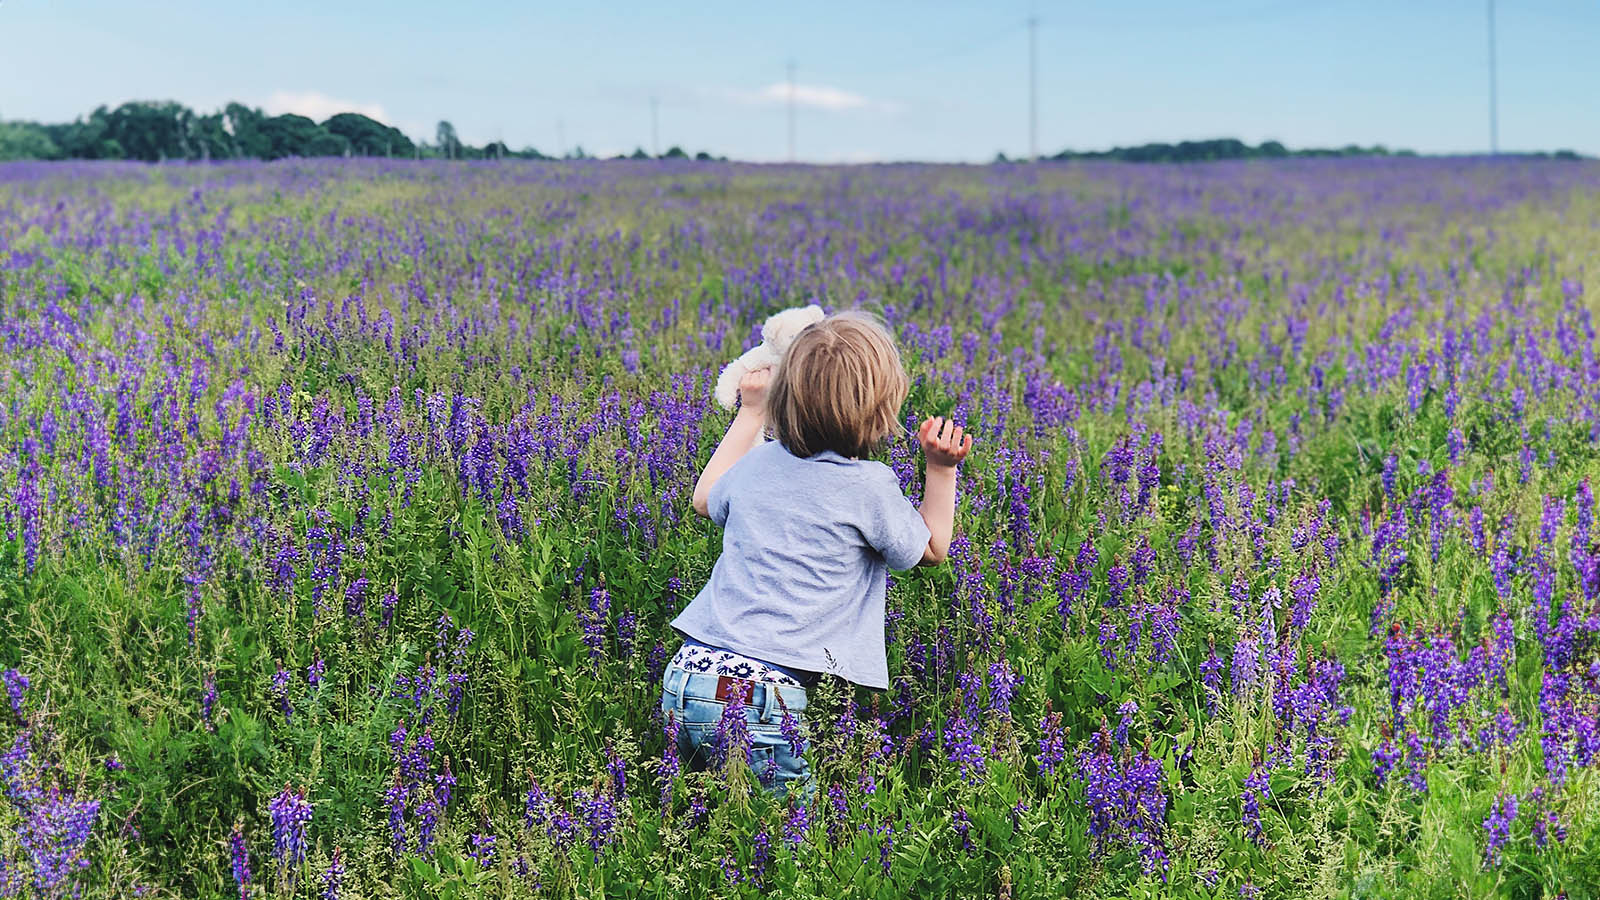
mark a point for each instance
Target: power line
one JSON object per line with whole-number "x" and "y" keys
{"x": 1494, "y": 112}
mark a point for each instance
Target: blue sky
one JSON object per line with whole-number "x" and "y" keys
{"x": 876, "y": 80}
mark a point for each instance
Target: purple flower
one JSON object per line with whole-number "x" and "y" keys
{"x": 627, "y": 631}
{"x": 1545, "y": 821}
{"x": 481, "y": 846}
{"x": 55, "y": 830}
{"x": 699, "y": 811}
{"x": 1126, "y": 711}
{"x": 1052, "y": 744}
{"x": 793, "y": 731}
{"x": 290, "y": 814}
{"x": 1257, "y": 787}
{"x": 396, "y": 797}
{"x": 536, "y": 806}
{"x": 839, "y": 813}
{"x": 1126, "y": 799}
{"x": 1498, "y": 826}
{"x": 208, "y": 701}
{"x": 961, "y": 748}
{"x": 760, "y": 856}
{"x": 280, "y": 692}
{"x": 1116, "y": 584}
{"x": 796, "y": 825}
{"x": 1246, "y": 663}
{"x": 241, "y": 861}
{"x": 1211, "y": 678}
{"x": 593, "y": 621}
{"x": 355, "y": 599}
{"x": 961, "y": 824}
{"x": 16, "y": 690}
{"x": 1003, "y": 684}
{"x": 730, "y": 738}
{"x": 599, "y": 814}
{"x": 333, "y": 878}
{"x": 670, "y": 763}
{"x": 617, "y": 770}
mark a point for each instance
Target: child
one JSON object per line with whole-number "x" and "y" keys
{"x": 810, "y": 532}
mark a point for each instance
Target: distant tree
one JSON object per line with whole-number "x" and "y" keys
{"x": 292, "y": 135}
{"x": 244, "y": 123}
{"x": 1219, "y": 148}
{"x": 26, "y": 140}
{"x": 638, "y": 153}
{"x": 496, "y": 150}
{"x": 530, "y": 153}
{"x": 368, "y": 137}
{"x": 445, "y": 137}
{"x": 209, "y": 138}
{"x": 675, "y": 153}
{"x": 150, "y": 130}
{"x": 702, "y": 156}
{"x": 84, "y": 138}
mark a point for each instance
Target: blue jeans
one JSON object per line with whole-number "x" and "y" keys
{"x": 692, "y": 698}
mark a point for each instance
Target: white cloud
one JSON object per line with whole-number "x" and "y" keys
{"x": 812, "y": 96}
{"x": 319, "y": 106}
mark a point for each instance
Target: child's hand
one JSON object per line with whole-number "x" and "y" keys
{"x": 753, "y": 390}
{"x": 942, "y": 442}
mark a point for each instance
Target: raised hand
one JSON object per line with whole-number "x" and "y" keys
{"x": 753, "y": 390}
{"x": 943, "y": 442}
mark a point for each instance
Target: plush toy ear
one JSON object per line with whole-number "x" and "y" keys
{"x": 781, "y": 327}
{"x": 771, "y": 327}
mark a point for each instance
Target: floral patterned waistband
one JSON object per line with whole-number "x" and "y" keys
{"x": 696, "y": 657}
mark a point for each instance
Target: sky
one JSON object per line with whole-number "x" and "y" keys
{"x": 874, "y": 80}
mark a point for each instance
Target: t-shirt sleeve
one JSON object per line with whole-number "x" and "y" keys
{"x": 895, "y": 528}
{"x": 717, "y": 499}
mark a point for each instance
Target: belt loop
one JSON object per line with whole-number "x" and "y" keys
{"x": 769, "y": 702}
{"x": 681, "y": 688}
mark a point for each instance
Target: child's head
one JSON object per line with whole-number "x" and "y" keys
{"x": 840, "y": 387}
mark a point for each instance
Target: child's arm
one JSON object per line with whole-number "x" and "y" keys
{"x": 944, "y": 447}
{"x": 740, "y": 438}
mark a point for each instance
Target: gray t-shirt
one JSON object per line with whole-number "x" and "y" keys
{"x": 806, "y": 548}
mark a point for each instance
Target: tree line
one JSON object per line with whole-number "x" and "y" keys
{"x": 154, "y": 131}
{"x": 1232, "y": 148}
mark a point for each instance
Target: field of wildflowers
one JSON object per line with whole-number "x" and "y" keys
{"x": 342, "y": 506}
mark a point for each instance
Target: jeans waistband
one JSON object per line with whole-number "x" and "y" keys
{"x": 770, "y": 699}
{"x": 725, "y": 658}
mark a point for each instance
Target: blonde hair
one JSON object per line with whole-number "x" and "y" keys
{"x": 840, "y": 387}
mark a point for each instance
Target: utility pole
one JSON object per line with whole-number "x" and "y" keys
{"x": 1033, "y": 88}
{"x": 655, "y": 131}
{"x": 791, "y": 110}
{"x": 1494, "y": 113}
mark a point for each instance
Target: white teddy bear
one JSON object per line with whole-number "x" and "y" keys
{"x": 777, "y": 334}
